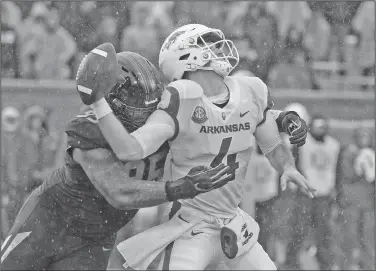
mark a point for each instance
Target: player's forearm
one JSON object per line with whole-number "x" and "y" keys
{"x": 125, "y": 146}
{"x": 281, "y": 159}
{"x": 135, "y": 194}
{"x": 124, "y": 193}
{"x": 111, "y": 178}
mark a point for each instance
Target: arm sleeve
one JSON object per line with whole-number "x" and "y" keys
{"x": 267, "y": 134}
{"x": 158, "y": 128}
{"x": 163, "y": 124}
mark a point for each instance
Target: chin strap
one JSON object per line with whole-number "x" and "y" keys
{"x": 220, "y": 67}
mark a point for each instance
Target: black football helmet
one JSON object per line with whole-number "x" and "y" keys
{"x": 137, "y": 92}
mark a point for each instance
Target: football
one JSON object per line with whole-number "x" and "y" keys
{"x": 96, "y": 74}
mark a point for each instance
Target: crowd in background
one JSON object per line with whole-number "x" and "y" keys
{"x": 279, "y": 42}
{"x": 334, "y": 230}
{"x": 29, "y": 152}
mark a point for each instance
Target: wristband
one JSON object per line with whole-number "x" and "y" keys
{"x": 178, "y": 189}
{"x": 101, "y": 108}
{"x": 169, "y": 193}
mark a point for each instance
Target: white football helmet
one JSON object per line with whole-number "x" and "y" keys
{"x": 197, "y": 47}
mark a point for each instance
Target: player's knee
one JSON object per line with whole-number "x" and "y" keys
{"x": 260, "y": 259}
{"x": 267, "y": 263}
{"x": 184, "y": 258}
{"x": 146, "y": 218}
{"x": 185, "y": 263}
{"x": 271, "y": 265}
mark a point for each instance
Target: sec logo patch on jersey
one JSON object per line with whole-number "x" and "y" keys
{"x": 199, "y": 115}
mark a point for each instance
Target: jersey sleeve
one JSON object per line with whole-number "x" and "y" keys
{"x": 84, "y": 133}
{"x": 262, "y": 97}
{"x": 174, "y": 99}
{"x": 156, "y": 131}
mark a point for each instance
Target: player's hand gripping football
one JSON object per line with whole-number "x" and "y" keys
{"x": 293, "y": 175}
{"x": 199, "y": 180}
{"x": 97, "y": 73}
{"x": 296, "y": 127}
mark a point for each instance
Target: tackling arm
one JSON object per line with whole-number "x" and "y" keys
{"x": 110, "y": 178}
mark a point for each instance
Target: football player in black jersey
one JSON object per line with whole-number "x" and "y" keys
{"x": 70, "y": 221}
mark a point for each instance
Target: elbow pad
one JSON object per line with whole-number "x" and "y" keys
{"x": 267, "y": 148}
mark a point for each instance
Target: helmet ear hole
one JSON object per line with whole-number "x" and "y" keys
{"x": 185, "y": 57}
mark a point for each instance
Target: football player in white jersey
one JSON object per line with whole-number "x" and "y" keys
{"x": 207, "y": 117}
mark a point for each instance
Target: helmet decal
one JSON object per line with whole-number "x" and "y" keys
{"x": 172, "y": 39}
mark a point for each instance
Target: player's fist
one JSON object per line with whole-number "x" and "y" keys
{"x": 199, "y": 180}
{"x": 96, "y": 75}
{"x": 296, "y": 127}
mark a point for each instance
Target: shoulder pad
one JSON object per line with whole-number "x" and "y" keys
{"x": 177, "y": 91}
{"x": 187, "y": 89}
{"x": 84, "y": 133}
{"x": 259, "y": 88}
{"x": 261, "y": 94}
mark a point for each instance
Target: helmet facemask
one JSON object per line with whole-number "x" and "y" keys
{"x": 215, "y": 53}
{"x": 217, "y": 49}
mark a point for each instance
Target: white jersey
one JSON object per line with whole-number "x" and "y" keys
{"x": 208, "y": 135}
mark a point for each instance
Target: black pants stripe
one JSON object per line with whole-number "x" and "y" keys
{"x": 166, "y": 261}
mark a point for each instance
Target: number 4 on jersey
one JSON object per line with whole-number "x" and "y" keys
{"x": 231, "y": 158}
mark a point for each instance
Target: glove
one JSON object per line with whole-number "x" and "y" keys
{"x": 97, "y": 73}
{"x": 294, "y": 126}
{"x": 199, "y": 180}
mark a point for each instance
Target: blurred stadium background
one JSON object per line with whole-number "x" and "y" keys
{"x": 318, "y": 54}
